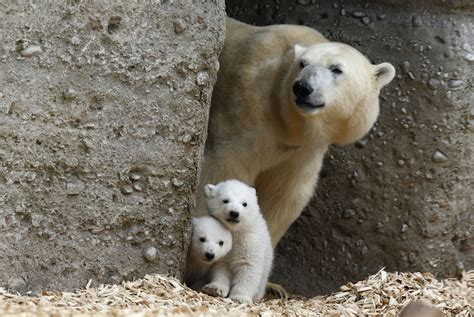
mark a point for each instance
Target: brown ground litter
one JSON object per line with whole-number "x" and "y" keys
{"x": 382, "y": 294}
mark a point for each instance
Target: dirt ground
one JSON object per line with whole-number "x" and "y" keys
{"x": 382, "y": 294}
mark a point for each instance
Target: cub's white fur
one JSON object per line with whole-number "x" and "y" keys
{"x": 209, "y": 243}
{"x": 243, "y": 273}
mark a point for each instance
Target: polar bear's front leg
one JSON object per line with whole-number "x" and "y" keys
{"x": 284, "y": 191}
{"x": 246, "y": 282}
{"x": 219, "y": 284}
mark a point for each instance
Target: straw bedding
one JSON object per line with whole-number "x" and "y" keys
{"x": 382, "y": 294}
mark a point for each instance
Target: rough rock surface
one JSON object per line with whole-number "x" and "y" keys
{"x": 103, "y": 115}
{"x": 402, "y": 198}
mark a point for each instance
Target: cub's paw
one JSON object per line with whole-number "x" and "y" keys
{"x": 214, "y": 290}
{"x": 244, "y": 299}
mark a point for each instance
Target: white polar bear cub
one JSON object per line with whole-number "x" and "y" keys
{"x": 210, "y": 242}
{"x": 244, "y": 272}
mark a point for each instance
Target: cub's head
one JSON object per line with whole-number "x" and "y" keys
{"x": 210, "y": 240}
{"x": 232, "y": 202}
{"x": 336, "y": 83}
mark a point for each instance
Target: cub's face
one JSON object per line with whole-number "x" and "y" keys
{"x": 232, "y": 202}
{"x": 210, "y": 240}
{"x": 336, "y": 82}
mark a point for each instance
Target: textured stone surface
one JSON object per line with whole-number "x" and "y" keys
{"x": 387, "y": 201}
{"x": 103, "y": 113}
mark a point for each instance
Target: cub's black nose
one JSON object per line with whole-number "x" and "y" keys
{"x": 234, "y": 214}
{"x": 209, "y": 256}
{"x": 302, "y": 89}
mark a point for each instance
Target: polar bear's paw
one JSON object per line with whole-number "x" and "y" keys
{"x": 243, "y": 299}
{"x": 274, "y": 290}
{"x": 215, "y": 290}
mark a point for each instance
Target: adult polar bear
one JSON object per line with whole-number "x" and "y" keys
{"x": 283, "y": 95}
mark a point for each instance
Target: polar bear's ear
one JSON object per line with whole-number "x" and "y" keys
{"x": 209, "y": 190}
{"x": 384, "y": 73}
{"x": 253, "y": 191}
{"x": 299, "y": 50}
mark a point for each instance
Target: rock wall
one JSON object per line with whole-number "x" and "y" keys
{"x": 402, "y": 197}
{"x": 103, "y": 116}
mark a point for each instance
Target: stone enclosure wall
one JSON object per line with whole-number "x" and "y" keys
{"x": 103, "y": 116}
{"x": 401, "y": 198}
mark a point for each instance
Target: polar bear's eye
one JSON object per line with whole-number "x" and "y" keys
{"x": 225, "y": 201}
{"x": 202, "y": 239}
{"x": 302, "y": 64}
{"x": 221, "y": 243}
{"x": 244, "y": 204}
{"x": 336, "y": 69}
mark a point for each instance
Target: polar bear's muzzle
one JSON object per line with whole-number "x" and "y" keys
{"x": 302, "y": 91}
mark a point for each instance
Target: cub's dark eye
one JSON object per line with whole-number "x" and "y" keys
{"x": 244, "y": 204}
{"x": 225, "y": 201}
{"x": 302, "y": 64}
{"x": 221, "y": 243}
{"x": 202, "y": 239}
{"x": 336, "y": 69}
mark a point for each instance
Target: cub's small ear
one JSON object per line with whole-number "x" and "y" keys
{"x": 209, "y": 190}
{"x": 254, "y": 192}
{"x": 384, "y": 73}
{"x": 299, "y": 50}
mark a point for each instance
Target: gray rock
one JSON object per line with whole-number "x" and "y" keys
{"x": 179, "y": 25}
{"x": 416, "y": 21}
{"x": 304, "y": 2}
{"x": 405, "y": 66}
{"x": 348, "y": 213}
{"x": 404, "y": 228}
{"x": 455, "y": 83}
{"x": 151, "y": 254}
{"x": 439, "y": 157}
{"x": 366, "y": 20}
{"x": 97, "y": 98}
{"x": 16, "y": 284}
{"x": 358, "y": 14}
{"x": 433, "y": 84}
{"x": 31, "y": 50}
{"x": 69, "y": 94}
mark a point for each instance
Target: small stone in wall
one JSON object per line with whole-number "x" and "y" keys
{"x": 179, "y": 25}
{"x": 31, "y": 50}
{"x": 202, "y": 78}
{"x": 416, "y": 21}
{"x": 151, "y": 254}
{"x": 439, "y": 157}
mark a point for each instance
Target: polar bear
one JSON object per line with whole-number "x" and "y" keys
{"x": 210, "y": 241}
{"x": 243, "y": 273}
{"x": 283, "y": 94}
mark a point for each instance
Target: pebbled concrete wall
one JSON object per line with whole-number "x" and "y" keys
{"x": 403, "y": 197}
{"x": 103, "y": 115}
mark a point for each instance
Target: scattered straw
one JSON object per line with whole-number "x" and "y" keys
{"x": 382, "y": 294}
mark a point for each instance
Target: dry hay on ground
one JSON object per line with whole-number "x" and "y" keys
{"x": 382, "y": 294}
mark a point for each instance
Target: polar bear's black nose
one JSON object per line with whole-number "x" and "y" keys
{"x": 234, "y": 214}
{"x": 302, "y": 89}
{"x": 209, "y": 255}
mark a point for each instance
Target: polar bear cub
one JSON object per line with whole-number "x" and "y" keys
{"x": 210, "y": 242}
{"x": 244, "y": 272}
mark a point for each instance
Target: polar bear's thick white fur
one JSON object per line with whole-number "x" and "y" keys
{"x": 283, "y": 94}
{"x": 244, "y": 272}
{"x": 210, "y": 242}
